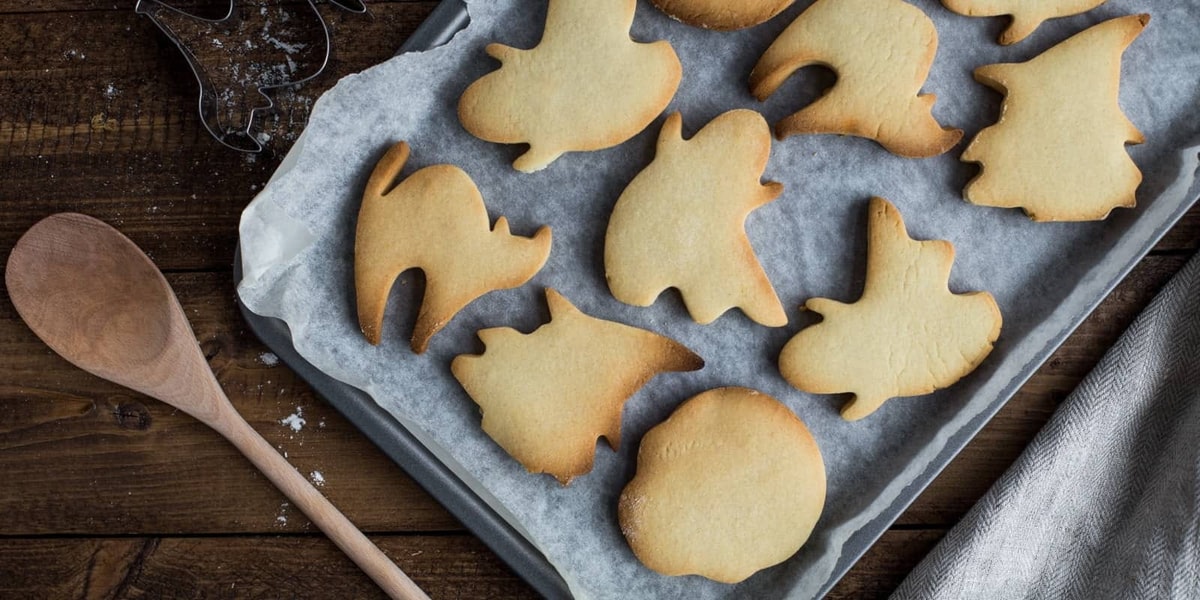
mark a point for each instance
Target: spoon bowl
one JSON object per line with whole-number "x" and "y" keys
{"x": 97, "y": 300}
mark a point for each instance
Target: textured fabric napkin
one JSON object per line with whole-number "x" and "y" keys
{"x": 1105, "y": 502}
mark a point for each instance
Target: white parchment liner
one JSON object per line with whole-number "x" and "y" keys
{"x": 297, "y": 244}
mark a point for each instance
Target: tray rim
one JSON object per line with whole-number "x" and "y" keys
{"x": 514, "y": 549}
{"x": 413, "y": 457}
{"x": 380, "y": 427}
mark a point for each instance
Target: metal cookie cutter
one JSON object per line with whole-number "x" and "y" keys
{"x": 226, "y": 55}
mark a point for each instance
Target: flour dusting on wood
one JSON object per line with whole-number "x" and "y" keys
{"x": 295, "y": 420}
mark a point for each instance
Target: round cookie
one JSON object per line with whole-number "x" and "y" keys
{"x": 730, "y": 484}
{"x": 722, "y": 14}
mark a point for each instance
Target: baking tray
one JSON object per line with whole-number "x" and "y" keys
{"x": 413, "y": 457}
{"x": 448, "y": 18}
{"x": 408, "y": 452}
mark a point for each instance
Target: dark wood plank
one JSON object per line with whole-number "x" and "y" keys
{"x": 111, "y": 130}
{"x": 454, "y": 566}
{"x": 881, "y": 570}
{"x": 81, "y": 455}
{"x": 1185, "y": 236}
{"x": 74, "y": 73}
{"x": 213, "y": 9}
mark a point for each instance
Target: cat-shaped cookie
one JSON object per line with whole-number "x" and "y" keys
{"x": 434, "y": 220}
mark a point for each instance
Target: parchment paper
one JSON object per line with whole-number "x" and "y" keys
{"x": 297, "y": 240}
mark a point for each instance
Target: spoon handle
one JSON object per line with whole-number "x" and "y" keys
{"x": 325, "y": 515}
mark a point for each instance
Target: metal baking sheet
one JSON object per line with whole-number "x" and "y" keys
{"x": 403, "y": 447}
{"x": 413, "y": 457}
{"x": 383, "y": 430}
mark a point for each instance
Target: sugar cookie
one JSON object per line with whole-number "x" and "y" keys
{"x": 586, "y": 86}
{"x": 730, "y": 484}
{"x": 435, "y": 221}
{"x": 722, "y": 14}
{"x": 1058, "y": 150}
{"x": 908, "y": 335}
{"x": 549, "y": 395}
{"x": 1026, "y": 15}
{"x": 681, "y": 222}
{"x": 881, "y": 51}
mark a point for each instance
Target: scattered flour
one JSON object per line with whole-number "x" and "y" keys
{"x": 267, "y": 358}
{"x": 295, "y": 420}
{"x": 317, "y": 478}
{"x": 282, "y": 45}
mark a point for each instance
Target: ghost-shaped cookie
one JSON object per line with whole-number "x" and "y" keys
{"x": 585, "y": 86}
{"x": 1058, "y": 150}
{"x": 547, "y": 396}
{"x": 1026, "y": 15}
{"x": 681, "y": 222}
{"x": 435, "y": 221}
{"x": 881, "y": 51}
{"x": 907, "y": 335}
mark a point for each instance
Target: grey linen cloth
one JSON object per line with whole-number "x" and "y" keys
{"x": 1105, "y": 502}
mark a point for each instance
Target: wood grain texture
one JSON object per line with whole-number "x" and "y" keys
{"x": 93, "y": 297}
{"x": 110, "y": 129}
{"x": 108, "y": 494}
{"x": 451, "y": 566}
{"x": 210, "y": 8}
{"x": 455, "y": 566}
{"x": 119, "y": 455}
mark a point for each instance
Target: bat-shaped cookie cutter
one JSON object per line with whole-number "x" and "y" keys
{"x": 186, "y": 30}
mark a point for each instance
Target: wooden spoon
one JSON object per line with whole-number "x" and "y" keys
{"x": 97, "y": 300}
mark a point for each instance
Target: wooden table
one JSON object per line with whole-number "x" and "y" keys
{"x": 106, "y": 494}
